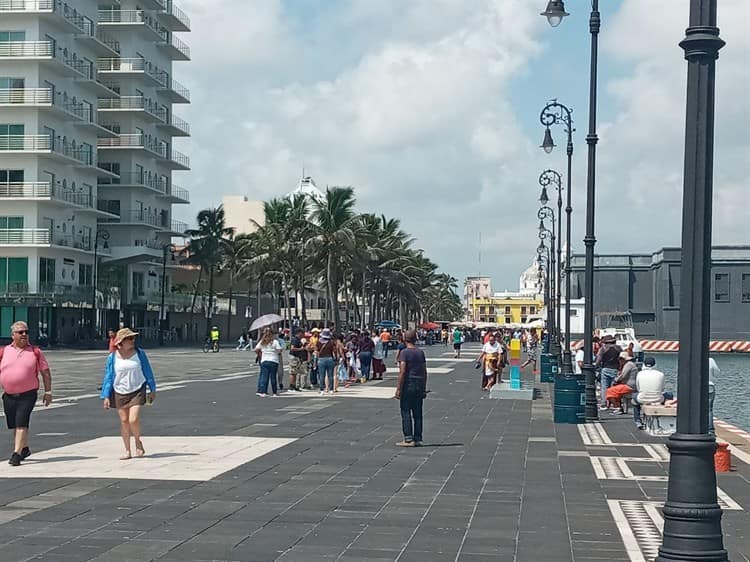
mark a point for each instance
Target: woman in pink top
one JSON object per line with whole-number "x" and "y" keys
{"x": 20, "y": 366}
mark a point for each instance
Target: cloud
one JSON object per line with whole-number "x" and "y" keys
{"x": 410, "y": 103}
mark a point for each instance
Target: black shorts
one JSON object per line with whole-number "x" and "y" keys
{"x": 456, "y": 346}
{"x": 18, "y": 408}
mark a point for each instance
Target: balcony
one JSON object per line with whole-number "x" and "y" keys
{"x": 173, "y": 18}
{"x": 147, "y": 108}
{"x": 133, "y": 67}
{"x": 178, "y": 161}
{"x": 73, "y": 241}
{"x": 175, "y": 227}
{"x": 176, "y": 194}
{"x": 128, "y": 20}
{"x": 174, "y": 126}
{"x": 25, "y": 237}
{"x": 99, "y": 41}
{"x": 173, "y": 90}
{"x": 137, "y": 179}
{"x": 136, "y": 217}
{"x": 65, "y": 61}
{"x": 173, "y": 46}
{"x": 135, "y": 141}
{"x": 42, "y": 191}
{"x": 80, "y": 155}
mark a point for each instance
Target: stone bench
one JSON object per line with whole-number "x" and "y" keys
{"x": 660, "y": 421}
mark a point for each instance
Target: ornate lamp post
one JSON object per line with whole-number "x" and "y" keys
{"x": 555, "y": 13}
{"x": 102, "y": 235}
{"x": 166, "y": 249}
{"x": 546, "y": 234}
{"x": 542, "y": 253}
{"x": 551, "y": 177}
{"x": 692, "y": 516}
{"x": 555, "y": 113}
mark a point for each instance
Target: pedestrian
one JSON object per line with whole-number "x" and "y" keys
{"x": 378, "y": 359}
{"x": 297, "y": 362}
{"x": 20, "y": 366}
{"x": 112, "y": 337}
{"x": 385, "y": 339}
{"x": 650, "y": 386}
{"x": 490, "y": 361}
{"x": 268, "y": 351}
{"x": 127, "y": 374}
{"x": 327, "y": 355}
{"x": 240, "y": 342}
{"x": 608, "y": 359}
{"x": 312, "y": 348}
{"x": 578, "y": 361}
{"x": 713, "y": 373}
{"x": 457, "y": 341}
{"x": 411, "y": 390}
{"x": 365, "y": 348}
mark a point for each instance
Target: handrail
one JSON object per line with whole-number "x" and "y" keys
{"x": 25, "y": 142}
{"x": 25, "y": 5}
{"x": 173, "y": 10}
{"x": 24, "y": 236}
{"x": 26, "y": 95}
{"x": 170, "y": 39}
{"x": 138, "y": 178}
{"x": 179, "y": 192}
{"x": 25, "y": 189}
{"x": 180, "y": 158}
{"x": 132, "y": 102}
{"x": 26, "y": 49}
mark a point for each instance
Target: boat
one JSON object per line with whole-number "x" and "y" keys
{"x": 619, "y": 325}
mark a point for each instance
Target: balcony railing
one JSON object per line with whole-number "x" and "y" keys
{"x": 180, "y": 94}
{"x": 138, "y": 178}
{"x": 73, "y": 241}
{"x": 132, "y": 103}
{"x": 181, "y": 159}
{"x": 90, "y": 30}
{"x": 177, "y": 226}
{"x": 26, "y": 49}
{"x": 179, "y": 193}
{"x": 25, "y": 142}
{"x": 179, "y": 49}
{"x": 179, "y": 125}
{"x": 130, "y": 17}
{"x": 24, "y": 236}
{"x": 26, "y": 96}
{"x": 136, "y": 141}
{"x": 176, "y": 18}
{"x": 25, "y": 189}
{"x": 139, "y": 217}
{"x": 132, "y": 66}
{"x": 20, "y": 6}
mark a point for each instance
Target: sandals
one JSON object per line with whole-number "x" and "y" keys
{"x": 139, "y": 450}
{"x": 126, "y": 457}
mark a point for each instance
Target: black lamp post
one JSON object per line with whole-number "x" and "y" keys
{"x": 166, "y": 249}
{"x": 542, "y": 253}
{"x": 555, "y": 13}
{"x": 551, "y": 177}
{"x": 102, "y": 235}
{"x": 546, "y": 234}
{"x": 692, "y": 516}
{"x": 557, "y": 113}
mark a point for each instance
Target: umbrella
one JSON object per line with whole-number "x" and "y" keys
{"x": 429, "y": 326}
{"x": 265, "y": 320}
{"x": 388, "y": 324}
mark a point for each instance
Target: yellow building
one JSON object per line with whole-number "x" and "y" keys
{"x": 504, "y": 309}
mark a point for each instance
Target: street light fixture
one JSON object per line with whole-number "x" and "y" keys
{"x": 546, "y": 234}
{"x": 692, "y": 516}
{"x": 102, "y": 235}
{"x": 548, "y": 144}
{"x": 556, "y": 113}
{"x": 555, "y": 12}
{"x": 544, "y": 198}
{"x": 166, "y": 249}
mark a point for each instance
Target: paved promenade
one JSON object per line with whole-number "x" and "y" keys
{"x": 304, "y": 477}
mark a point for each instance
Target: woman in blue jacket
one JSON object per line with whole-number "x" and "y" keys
{"x": 127, "y": 373}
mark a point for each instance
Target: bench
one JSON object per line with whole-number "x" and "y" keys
{"x": 660, "y": 421}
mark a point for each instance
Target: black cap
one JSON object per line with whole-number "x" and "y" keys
{"x": 649, "y": 361}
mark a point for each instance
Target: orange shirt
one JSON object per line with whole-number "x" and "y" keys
{"x": 385, "y": 337}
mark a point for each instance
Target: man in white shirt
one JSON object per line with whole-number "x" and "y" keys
{"x": 490, "y": 360}
{"x": 578, "y": 361}
{"x": 713, "y": 374}
{"x": 650, "y": 387}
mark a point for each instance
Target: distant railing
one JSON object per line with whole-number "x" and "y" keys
{"x": 170, "y": 39}
{"x": 25, "y": 142}
{"x": 24, "y": 236}
{"x": 132, "y": 102}
{"x": 141, "y": 217}
{"x": 170, "y": 83}
{"x": 73, "y": 241}
{"x": 137, "y": 178}
{"x": 133, "y": 140}
{"x": 173, "y": 10}
{"x": 137, "y": 64}
{"x": 28, "y": 96}
{"x": 25, "y": 189}
{"x": 91, "y": 30}
{"x": 178, "y": 226}
{"x": 180, "y": 124}
{"x": 26, "y": 49}
{"x": 25, "y": 5}
{"x": 180, "y": 158}
{"x": 180, "y": 193}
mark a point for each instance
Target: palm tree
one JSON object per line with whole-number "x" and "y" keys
{"x": 335, "y": 226}
{"x": 236, "y": 258}
{"x": 209, "y": 242}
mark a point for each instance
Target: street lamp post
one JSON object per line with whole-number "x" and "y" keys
{"x": 542, "y": 252}
{"x": 166, "y": 249}
{"x": 692, "y": 516}
{"x": 546, "y": 234}
{"x": 552, "y": 114}
{"x": 551, "y": 177}
{"x": 102, "y": 235}
{"x": 555, "y": 13}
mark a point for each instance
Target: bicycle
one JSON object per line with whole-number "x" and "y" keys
{"x": 208, "y": 345}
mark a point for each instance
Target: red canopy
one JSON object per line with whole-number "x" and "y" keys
{"x": 429, "y": 326}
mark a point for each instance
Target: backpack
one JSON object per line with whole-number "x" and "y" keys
{"x": 35, "y": 349}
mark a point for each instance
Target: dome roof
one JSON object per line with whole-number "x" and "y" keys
{"x": 308, "y": 188}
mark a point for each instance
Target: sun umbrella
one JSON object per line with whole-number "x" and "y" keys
{"x": 265, "y": 320}
{"x": 429, "y": 326}
{"x": 388, "y": 324}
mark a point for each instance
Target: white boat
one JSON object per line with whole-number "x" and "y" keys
{"x": 619, "y": 325}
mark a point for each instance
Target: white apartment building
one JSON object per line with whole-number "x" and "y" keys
{"x": 86, "y": 160}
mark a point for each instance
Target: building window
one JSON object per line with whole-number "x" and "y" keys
{"x": 532, "y": 310}
{"x": 573, "y": 312}
{"x": 523, "y": 310}
{"x": 14, "y": 274}
{"x": 507, "y": 310}
{"x": 491, "y": 310}
{"x": 523, "y": 319}
{"x": 85, "y": 274}
{"x": 721, "y": 287}
{"x": 481, "y": 310}
{"x": 746, "y": 287}
{"x": 46, "y": 273}
{"x": 508, "y": 319}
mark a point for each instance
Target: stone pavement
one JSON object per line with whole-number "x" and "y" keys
{"x": 230, "y": 476}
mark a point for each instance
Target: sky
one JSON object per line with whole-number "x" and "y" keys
{"x": 430, "y": 110}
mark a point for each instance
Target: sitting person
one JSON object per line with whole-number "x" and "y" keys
{"x": 624, "y": 383}
{"x": 650, "y": 386}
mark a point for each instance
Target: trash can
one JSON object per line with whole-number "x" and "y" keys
{"x": 548, "y": 367}
{"x": 570, "y": 399}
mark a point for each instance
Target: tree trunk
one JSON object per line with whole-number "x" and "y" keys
{"x": 229, "y": 310}
{"x": 303, "y": 306}
{"x": 257, "y": 301}
{"x": 364, "y": 297}
{"x": 287, "y": 312}
{"x": 332, "y": 296}
{"x": 209, "y": 310}
{"x": 192, "y": 305}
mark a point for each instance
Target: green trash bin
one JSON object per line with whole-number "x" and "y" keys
{"x": 570, "y": 399}
{"x": 548, "y": 367}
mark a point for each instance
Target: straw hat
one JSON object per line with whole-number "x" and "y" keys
{"x": 123, "y": 334}
{"x": 325, "y": 336}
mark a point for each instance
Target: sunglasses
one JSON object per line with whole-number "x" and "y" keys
{"x": 22, "y": 332}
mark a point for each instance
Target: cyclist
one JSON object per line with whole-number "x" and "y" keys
{"x": 214, "y": 336}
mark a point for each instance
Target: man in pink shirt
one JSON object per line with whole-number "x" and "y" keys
{"x": 20, "y": 366}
